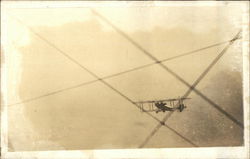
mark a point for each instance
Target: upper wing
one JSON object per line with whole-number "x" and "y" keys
{"x": 173, "y": 99}
{"x": 163, "y": 100}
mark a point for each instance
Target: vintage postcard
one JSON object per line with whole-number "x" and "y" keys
{"x": 124, "y": 79}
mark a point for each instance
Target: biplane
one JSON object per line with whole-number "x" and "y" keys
{"x": 162, "y": 105}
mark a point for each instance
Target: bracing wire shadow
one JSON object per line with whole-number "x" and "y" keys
{"x": 166, "y": 68}
{"x": 107, "y": 84}
{"x": 203, "y": 74}
{"x": 90, "y": 72}
{"x": 119, "y": 73}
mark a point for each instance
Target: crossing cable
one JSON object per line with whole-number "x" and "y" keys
{"x": 163, "y": 66}
{"x": 93, "y": 74}
{"x": 90, "y": 72}
{"x": 81, "y": 66}
{"x": 118, "y": 74}
{"x": 191, "y": 89}
{"x": 158, "y": 126}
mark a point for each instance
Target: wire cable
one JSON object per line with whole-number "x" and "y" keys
{"x": 90, "y": 72}
{"x": 152, "y": 133}
{"x": 84, "y": 68}
{"x": 95, "y": 75}
{"x": 117, "y": 74}
{"x": 164, "y": 66}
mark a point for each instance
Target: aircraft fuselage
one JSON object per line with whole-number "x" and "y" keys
{"x": 163, "y": 107}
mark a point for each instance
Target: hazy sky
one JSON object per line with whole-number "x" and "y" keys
{"x": 94, "y": 116}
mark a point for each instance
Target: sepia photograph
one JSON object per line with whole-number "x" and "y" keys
{"x": 126, "y": 79}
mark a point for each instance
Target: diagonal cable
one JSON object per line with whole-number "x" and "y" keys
{"x": 90, "y": 72}
{"x": 83, "y": 67}
{"x": 162, "y": 65}
{"x": 118, "y": 74}
{"x": 190, "y": 90}
{"x": 93, "y": 74}
{"x": 158, "y": 126}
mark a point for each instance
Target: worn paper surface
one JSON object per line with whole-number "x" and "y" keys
{"x": 55, "y": 53}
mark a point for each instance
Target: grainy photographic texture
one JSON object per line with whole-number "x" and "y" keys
{"x": 93, "y": 77}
